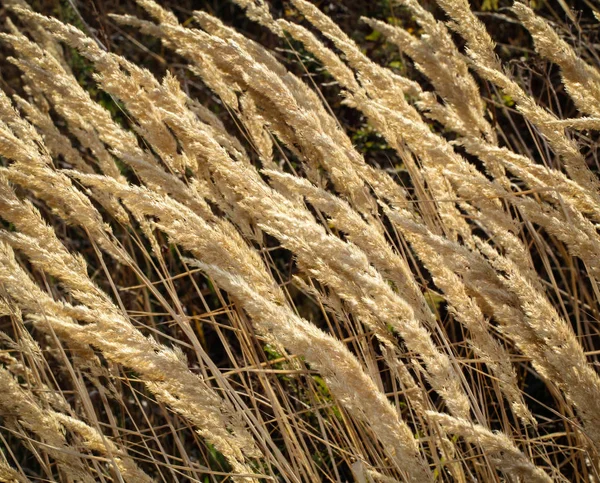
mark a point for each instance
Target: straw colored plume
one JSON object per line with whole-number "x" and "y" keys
{"x": 299, "y": 241}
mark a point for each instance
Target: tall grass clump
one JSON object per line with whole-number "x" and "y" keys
{"x": 299, "y": 241}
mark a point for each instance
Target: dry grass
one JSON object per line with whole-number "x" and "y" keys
{"x": 187, "y": 296}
